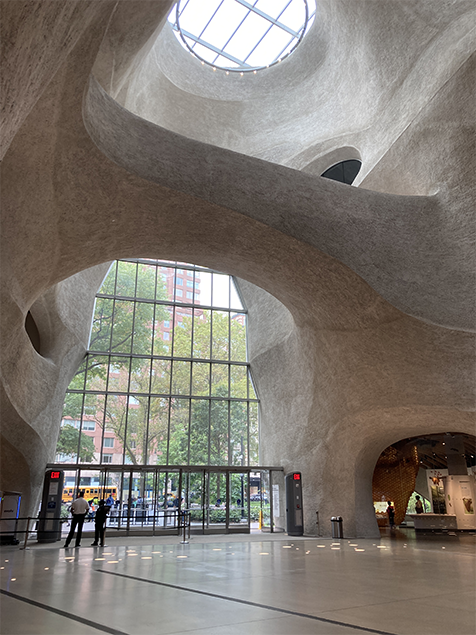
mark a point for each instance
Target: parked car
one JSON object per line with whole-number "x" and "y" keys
{"x": 259, "y": 497}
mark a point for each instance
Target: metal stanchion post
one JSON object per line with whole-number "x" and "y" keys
{"x": 26, "y": 533}
{"x": 182, "y": 515}
{"x": 317, "y": 523}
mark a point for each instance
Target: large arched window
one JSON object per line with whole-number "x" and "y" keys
{"x": 165, "y": 380}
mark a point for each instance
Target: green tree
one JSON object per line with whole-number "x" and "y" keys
{"x": 199, "y": 429}
{"x": 68, "y": 443}
{"x": 121, "y": 325}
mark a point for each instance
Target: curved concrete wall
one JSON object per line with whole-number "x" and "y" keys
{"x": 360, "y": 332}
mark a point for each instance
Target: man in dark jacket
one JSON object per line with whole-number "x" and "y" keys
{"x": 100, "y": 524}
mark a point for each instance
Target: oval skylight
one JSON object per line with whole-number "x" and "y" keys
{"x": 236, "y": 35}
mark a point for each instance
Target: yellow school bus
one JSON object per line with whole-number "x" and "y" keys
{"x": 70, "y": 493}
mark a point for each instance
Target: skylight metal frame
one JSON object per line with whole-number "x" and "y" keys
{"x": 242, "y": 65}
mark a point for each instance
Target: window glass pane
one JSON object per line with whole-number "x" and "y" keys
{"x": 221, "y": 290}
{"x": 143, "y": 329}
{"x": 254, "y": 438}
{"x": 238, "y": 381}
{"x": 165, "y": 281}
{"x": 219, "y": 380}
{"x": 122, "y": 326}
{"x": 181, "y": 378}
{"x": 219, "y": 433}
{"x": 238, "y": 337}
{"x": 201, "y": 333}
{"x": 73, "y": 406}
{"x": 116, "y": 414}
{"x": 136, "y": 439}
{"x": 96, "y": 377}
{"x": 199, "y": 431}
{"x": 239, "y": 432}
{"x": 251, "y": 390}
{"x": 77, "y": 383}
{"x": 68, "y": 441}
{"x": 235, "y": 302}
{"x": 163, "y": 326}
{"x": 220, "y": 341}
{"x": 160, "y": 376}
{"x": 205, "y": 289}
{"x": 201, "y": 379}
{"x": 183, "y": 335}
{"x": 118, "y": 380}
{"x": 146, "y": 282}
{"x": 109, "y": 283}
{"x": 126, "y": 279}
{"x": 100, "y": 339}
{"x": 158, "y": 426}
{"x": 140, "y": 375}
{"x": 179, "y": 419}
{"x": 93, "y": 412}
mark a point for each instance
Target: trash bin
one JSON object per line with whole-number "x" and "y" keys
{"x": 337, "y": 527}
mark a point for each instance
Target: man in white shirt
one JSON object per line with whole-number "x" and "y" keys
{"x": 79, "y": 509}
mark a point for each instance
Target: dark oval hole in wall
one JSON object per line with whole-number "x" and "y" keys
{"x": 32, "y": 332}
{"x": 345, "y": 171}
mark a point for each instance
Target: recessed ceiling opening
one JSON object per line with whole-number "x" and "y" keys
{"x": 240, "y": 36}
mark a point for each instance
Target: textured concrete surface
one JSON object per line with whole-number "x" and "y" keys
{"x": 361, "y": 299}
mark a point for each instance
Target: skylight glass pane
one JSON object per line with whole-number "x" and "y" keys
{"x": 196, "y": 15}
{"x": 232, "y": 27}
{"x": 310, "y": 23}
{"x": 294, "y": 16}
{"x": 224, "y": 24}
{"x": 205, "y": 53}
{"x": 224, "y": 62}
{"x": 250, "y": 32}
{"x": 276, "y": 40}
{"x": 272, "y": 7}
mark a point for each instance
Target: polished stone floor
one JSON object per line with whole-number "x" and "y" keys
{"x": 243, "y": 585}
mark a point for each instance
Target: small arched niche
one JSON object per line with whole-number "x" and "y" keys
{"x": 33, "y": 333}
{"x": 341, "y": 164}
{"x": 344, "y": 171}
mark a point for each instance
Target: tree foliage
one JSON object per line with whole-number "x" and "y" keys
{"x": 68, "y": 443}
{"x": 137, "y": 408}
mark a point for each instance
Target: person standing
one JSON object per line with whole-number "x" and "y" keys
{"x": 79, "y": 509}
{"x": 391, "y": 514}
{"x": 100, "y": 524}
{"x": 418, "y": 505}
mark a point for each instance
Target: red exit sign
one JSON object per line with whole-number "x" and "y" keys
{"x": 297, "y": 477}
{"x": 55, "y": 475}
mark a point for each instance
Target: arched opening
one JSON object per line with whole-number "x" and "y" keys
{"x": 430, "y": 481}
{"x": 344, "y": 171}
{"x": 163, "y": 411}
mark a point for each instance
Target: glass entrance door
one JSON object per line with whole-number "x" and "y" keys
{"x": 239, "y": 496}
{"x": 217, "y": 508}
{"x": 193, "y": 492}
